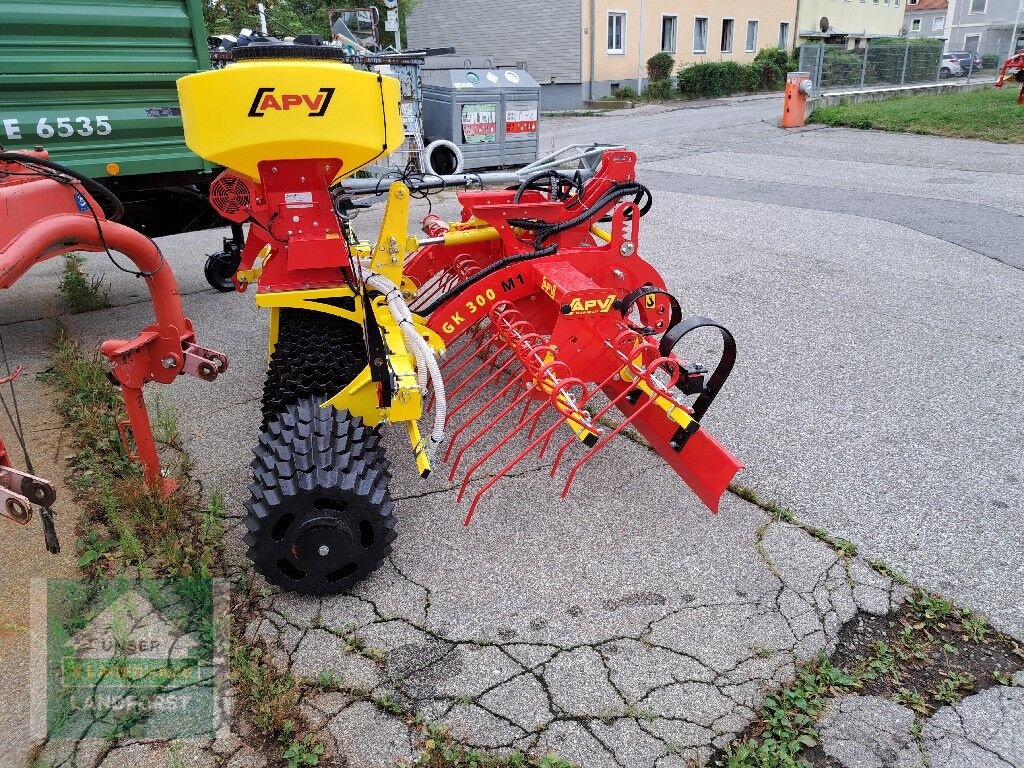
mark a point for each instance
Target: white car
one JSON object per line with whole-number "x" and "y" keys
{"x": 950, "y": 66}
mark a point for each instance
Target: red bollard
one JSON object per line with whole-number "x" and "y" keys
{"x": 794, "y": 106}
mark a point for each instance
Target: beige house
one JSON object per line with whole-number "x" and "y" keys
{"x": 628, "y": 33}
{"x": 582, "y": 49}
{"x": 850, "y": 21}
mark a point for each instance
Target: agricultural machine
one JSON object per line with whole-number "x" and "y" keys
{"x": 531, "y": 327}
{"x": 1013, "y": 69}
{"x": 50, "y": 210}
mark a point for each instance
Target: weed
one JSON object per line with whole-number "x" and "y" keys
{"x": 884, "y": 569}
{"x": 439, "y": 750}
{"x": 1002, "y": 678}
{"x": 912, "y": 699}
{"x": 305, "y": 751}
{"x": 975, "y": 626}
{"x": 82, "y": 293}
{"x": 952, "y": 686}
{"x": 272, "y": 696}
{"x": 788, "y": 717}
{"x": 387, "y": 703}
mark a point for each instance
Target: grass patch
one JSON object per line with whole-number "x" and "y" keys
{"x": 82, "y": 293}
{"x": 991, "y": 114}
{"x": 439, "y": 750}
{"x": 928, "y": 654}
{"x": 127, "y": 526}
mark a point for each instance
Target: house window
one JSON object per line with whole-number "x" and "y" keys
{"x": 978, "y": 6}
{"x": 972, "y": 43}
{"x": 938, "y": 23}
{"x": 784, "y": 35}
{"x": 728, "y": 25}
{"x": 915, "y": 25}
{"x": 668, "y": 34}
{"x": 751, "y": 36}
{"x": 912, "y": 2}
{"x": 616, "y": 32}
{"x": 700, "y": 34}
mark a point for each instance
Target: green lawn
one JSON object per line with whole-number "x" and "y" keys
{"x": 990, "y": 113}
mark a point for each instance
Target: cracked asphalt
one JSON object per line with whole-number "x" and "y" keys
{"x": 873, "y": 283}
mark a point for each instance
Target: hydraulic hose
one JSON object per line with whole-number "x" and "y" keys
{"x": 94, "y": 187}
{"x": 426, "y": 363}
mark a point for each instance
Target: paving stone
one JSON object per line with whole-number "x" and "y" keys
{"x": 344, "y": 614}
{"x": 330, "y": 702}
{"x": 572, "y": 742}
{"x": 530, "y": 655}
{"x": 482, "y": 668}
{"x": 985, "y": 730}
{"x": 521, "y": 700}
{"x": 394, "y": 596}
{"x": 636, "y": 668}
{"x": 872, "y": 591}
{"x": 247, "y": 757}
{"x": 479, "y": 728}
{"x": 869, "y": 732}
{"x": 369, "y": 738}
{"x": 701, "y": 703}
{"x": 633, "y": 747}
{"x": 578, "y": 682}
{"x": 421, "y": 671}
{"x": 322, "y": 652}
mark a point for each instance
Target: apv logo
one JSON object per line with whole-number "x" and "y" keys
{"x": 591, "y": 306}
{"x": 267, "y": 99}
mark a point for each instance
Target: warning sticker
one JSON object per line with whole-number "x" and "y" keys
{"x": 298, "y": 199}
{"x": 521, "y": 117}
{"x": 479, "y": 124}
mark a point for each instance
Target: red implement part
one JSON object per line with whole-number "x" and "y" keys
{"x": 539, "y": 338}
{"x": 292, "y": 210}
{"x": 46, "y": 218}
{"x": 1013, "y": 68}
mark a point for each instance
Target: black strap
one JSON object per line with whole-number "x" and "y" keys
{"x": 631, "y": 298}
{"x": 673, "y": 336}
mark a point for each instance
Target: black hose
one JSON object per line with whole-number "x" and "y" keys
{"x": 433, "y": 306}
{"x": 94, "y": 187}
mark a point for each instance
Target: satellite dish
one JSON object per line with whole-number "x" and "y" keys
{"x": 823, "y": 25}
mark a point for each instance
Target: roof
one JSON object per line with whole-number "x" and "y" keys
{"x": 927, "y": 5}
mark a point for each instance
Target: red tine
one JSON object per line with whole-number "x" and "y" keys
{"x": 527, "y": 392}
{"x": 648, "y": 376}
{"x": 637, "y": 345}
{"x": 562, "y": 389}
{"x": 490, "y": 425}
{"x": 477, "y": 414}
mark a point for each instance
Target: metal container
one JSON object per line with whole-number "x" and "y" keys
{"x": 490, "y": 114}
{"x": 94, "y": 82}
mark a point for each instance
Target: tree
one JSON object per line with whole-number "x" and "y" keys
{"x": 289, "y": 17}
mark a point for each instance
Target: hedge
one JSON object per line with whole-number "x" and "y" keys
{"x": 724, "y": 78}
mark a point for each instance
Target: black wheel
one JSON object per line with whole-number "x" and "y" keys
{"x": 220, "y": 270}
{"x": 320, "y": 518}
{"x": 316, "y": 356}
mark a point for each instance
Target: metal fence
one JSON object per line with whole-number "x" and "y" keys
{"x": 838, "y": 67}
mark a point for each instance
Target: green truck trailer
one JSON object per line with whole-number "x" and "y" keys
{"x": 93, "y": 82}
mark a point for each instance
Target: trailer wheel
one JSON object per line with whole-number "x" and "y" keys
{"x": 320, "y": 517}
{"x": 220, "y": 271}
{"x": 316, "y": 355}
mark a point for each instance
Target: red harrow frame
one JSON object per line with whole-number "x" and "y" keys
{"x": 51, "y": 210}
{"x": 557, "y": 316}
{"x": 1013, "y": 69}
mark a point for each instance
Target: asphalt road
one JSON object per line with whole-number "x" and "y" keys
{"x": 870, "y": 282}
{"x": 874, "y": 284}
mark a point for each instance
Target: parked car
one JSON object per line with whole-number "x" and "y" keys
{"x": 969, "y": 60}
{"x": 950, "y": 66}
